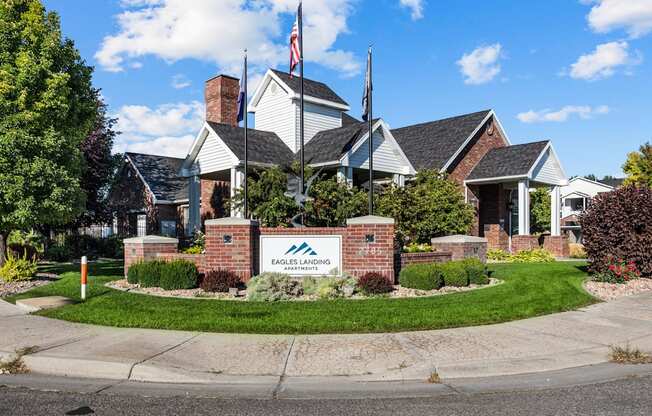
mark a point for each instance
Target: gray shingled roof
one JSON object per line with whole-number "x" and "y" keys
{"x": 161, "y": 175}
{"x": 348, "y": 119}
{"x": 264, "y": 146}
{"x": 613, "y": 182}
{"x": 312, "y": 88}
{"x": 513, "y": 160}
{"x": 431, "y": 145}
{"x": 330, "y": 145}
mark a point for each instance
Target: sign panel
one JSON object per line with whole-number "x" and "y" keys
{"x": 301, "y": 255}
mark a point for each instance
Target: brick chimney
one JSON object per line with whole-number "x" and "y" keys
{"x": 221, "y": 96}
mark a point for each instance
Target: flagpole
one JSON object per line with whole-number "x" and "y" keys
{"x": 370, "y": 118}
{"x": 246, "y": 143}
{"x": 301, "y": 125}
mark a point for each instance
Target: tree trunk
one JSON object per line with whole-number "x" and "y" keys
{"x": 3, "y": 247}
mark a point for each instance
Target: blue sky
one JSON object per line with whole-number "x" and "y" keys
{"x": 573, "y": 71}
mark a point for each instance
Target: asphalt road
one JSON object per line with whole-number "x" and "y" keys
{"x": 630, "y": 396}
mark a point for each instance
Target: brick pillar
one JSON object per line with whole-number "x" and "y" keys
{"x": 368, "y": 246}
{"x": 146, "y": 248}
{"x": 557, "y": 245}
{"x": 231, "y": 244}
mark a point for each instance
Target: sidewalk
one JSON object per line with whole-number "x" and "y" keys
{"x": 552, "y": 342}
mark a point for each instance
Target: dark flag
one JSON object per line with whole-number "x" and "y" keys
{"x": 242, "y": 98}
{"x": 368, "y": 87}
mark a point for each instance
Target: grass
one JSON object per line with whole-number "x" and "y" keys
{"x": 628, "y": 355}
{"x": 528, "y": 290}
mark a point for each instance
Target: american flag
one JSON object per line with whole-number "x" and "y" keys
{"x": 295, "y": 50}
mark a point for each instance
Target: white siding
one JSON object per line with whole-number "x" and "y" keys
{"x": 548, "y": 170}
{"x": 275, "y": 113}
{"x": 214, "y": 156}
{"x": 386, "y": 158}
{"x": 316, "y": 118}
{"x": 584, "y": 186}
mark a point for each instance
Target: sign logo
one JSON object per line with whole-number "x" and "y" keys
{"x": 301, "y": 255}
{"x": 304, "y": 249}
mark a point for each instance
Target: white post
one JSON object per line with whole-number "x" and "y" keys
{"x": 523, "y": 207}
{"x": 237, "y": 182}
{"x": 555, "y": 215}
{"x": 345, "y": 175}
{"x": 194, "y": 204}
{"x": 399, "y": 180}
{"x": 84, "y": 276}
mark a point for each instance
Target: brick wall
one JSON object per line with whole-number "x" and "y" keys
{"x": 221, "y": 97}
{"x": 524, "y": 242}
{"x": 475, "y": 151}
{"x": 147, "y": 248}
{"x": 213, "y": 196}
{"x": 462, "y": 250}
{"x": 231, "y": 244}
{"x": 405, "y": 259}
{"x": 557, "y": 245}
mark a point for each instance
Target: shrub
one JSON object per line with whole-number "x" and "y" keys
{"x": 618, "y": 271}
{"x": 17, "y": 268}
{"x": 179, "y": 274}
{"x": 421, "y": 276}
{"x": 374, "y": 283}
{"x": 193, "y": 250}
{"x": 150, "y": 272}
{"x": 272, "y": 287}
{"x": 497, "y": 254}
{"x": 618, "y": 224}
{"x": 336, "y": 287}
{"x": 536, "y": 255}
{"x": 455, "y": 274}
{"x": 59, "y": 253}
{"x": 219, "y": 280}
{"x": 133, "y": 274}
{"x": 417, "y": 248}
{"x": 577, "y": 251}
{"x": 309, "y": 285}
{"x": 476, "y": 271}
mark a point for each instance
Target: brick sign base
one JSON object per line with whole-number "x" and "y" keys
{"x": 233, "y": 244}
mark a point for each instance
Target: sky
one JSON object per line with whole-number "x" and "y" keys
{"x": 576, "y": 72}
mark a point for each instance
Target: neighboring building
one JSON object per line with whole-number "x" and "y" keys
{"x": 473, "y": 149}
{"x": 149, "y": 197}
{"x": 576, "y": 197}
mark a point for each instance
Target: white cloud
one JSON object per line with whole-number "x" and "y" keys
{"x": 180, "y": 81}
{"x": 415, "y": 6}
{"x": 635, "y": 16}
{"x": 603, "y": 61}
{"x": 584, "y": 112}
{"x": 218, "y": 31}
{"x": 168, "y": 129}
{"x": 481, "y": 65}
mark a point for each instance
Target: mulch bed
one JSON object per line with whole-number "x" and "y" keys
{"x": 611, "y": 291}
{"x": 14, "y": 288}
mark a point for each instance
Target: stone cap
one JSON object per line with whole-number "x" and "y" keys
{"x": 230, "y": 221}
{"x": 458, "y": 238}
{"x": 369, "y": 219}
{"x": 151, "y": 239}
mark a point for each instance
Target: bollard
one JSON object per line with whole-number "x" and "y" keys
{"x": 84, "y": 276}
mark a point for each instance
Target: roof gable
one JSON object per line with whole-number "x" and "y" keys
{"x": 433, "y": 144}
{"x": 264, "y": 147}
{"x": 160, "y": 176}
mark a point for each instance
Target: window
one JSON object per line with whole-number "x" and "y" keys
{"x": 141, "y": 225}
{"x": 169, "y": 228}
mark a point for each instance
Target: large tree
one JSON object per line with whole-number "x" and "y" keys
{"x": 638, "y": 166}
{"x": 47, "y": 108}
{"x": 99, "y": 166}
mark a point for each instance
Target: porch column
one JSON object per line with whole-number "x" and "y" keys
{"x": 194, "y": 205}
{"x": 524, "y": 207}
{"x": 555, "y": 215}
{"x": 345, "y": 175}
{"x": 237, "y": 182}
{"x": 399, "y": 180}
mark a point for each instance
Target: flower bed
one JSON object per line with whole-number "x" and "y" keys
{"x": 397, "y": 293}
{"x": 610, "y": 291}
{"x": 20, "y": 286}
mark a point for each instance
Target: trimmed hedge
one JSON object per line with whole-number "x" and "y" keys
{"x": 455, "y": 273}
{"x": 149, "y": 273}
{"x": 476, "y": 271}
{"x": 133, "y": 274}
{"x": 421, "y": 276}
{"x": 179, "y": 274}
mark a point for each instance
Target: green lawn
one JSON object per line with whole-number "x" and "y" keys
{"x": 529, "y": 290}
